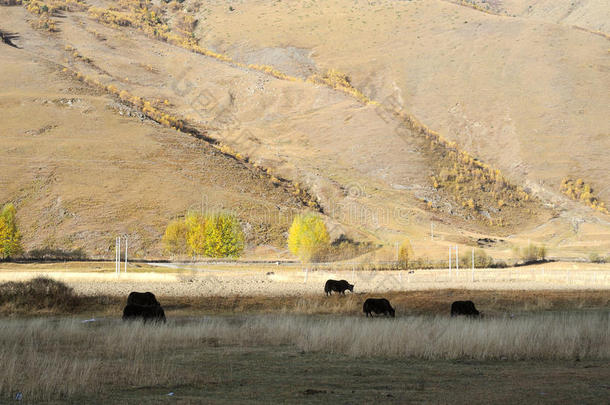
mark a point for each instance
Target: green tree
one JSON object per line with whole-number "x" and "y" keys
{"x": 308, "y": 238}
{"x": 223, "y": 236}
{"x": 10, "y": 238}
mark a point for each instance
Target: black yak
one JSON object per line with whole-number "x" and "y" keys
{"x": 145, "y": 298}
{"x": 378, "y": 306}
{"x": 464, "y": 308}
{"x": 339, "y": 286}
{"x": 152, "y": 313}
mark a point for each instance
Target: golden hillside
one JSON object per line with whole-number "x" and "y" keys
{"x": 388, "y": 115}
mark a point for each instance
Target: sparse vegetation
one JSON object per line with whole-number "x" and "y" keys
{"x": 155, "y": 113}
{"x": 148, "y": 19}
{"x": 340, "y": 81}
{"x": 475, "y": 186}
{"x": 37, "y": 295}
{"x": 308, "y": 238}
{"x": 49, "y": 253}
{"x": 481, "y": 260}
{"x": 45, "y": 11}
{"x": 578, "y": 190}
{"x": 530, "y": 254}
{"x": 595, "y": 257}
{"x": 344, "y": 248}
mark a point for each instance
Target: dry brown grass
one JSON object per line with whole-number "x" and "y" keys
{"x": 43, "y": 296}
{"x": 436, "y": 302}
{"x": 47, "y": 359}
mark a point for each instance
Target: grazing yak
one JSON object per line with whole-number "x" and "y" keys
{"x": 145, "y": 298}
{"x": 339, "y": 286}
{"x": 152, "y": 313}
{"x": 143, "y": 306}
{"x": 378, "y": 306}
{"x": 464, "y": 308}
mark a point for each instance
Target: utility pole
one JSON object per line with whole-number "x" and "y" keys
{"x": 116, "y": 256}
{"x": 472, "y": 278}
{"x": 457, "y": 262}
{"x": 119, "y": 257}
{"x": 449, "y": 261}
{"x": 125, "y": 254}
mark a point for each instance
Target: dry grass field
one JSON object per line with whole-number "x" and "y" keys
{"x": 294, "y": 359}
{"x": 58, "y": 346}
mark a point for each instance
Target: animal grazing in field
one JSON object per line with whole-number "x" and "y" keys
{"x": 146, "y": 313}
{"x": 338, "y": 286}
{"x": 143, "y": 306}
{"x": 378, "y": 306}
{"x": 464, "y": 308}
{"x": 145, "y": 298}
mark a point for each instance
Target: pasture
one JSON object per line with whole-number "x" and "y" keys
{"x": 542, "y": 358}
{"x": 209, "y": 279}
{"x": 228, "y": 341}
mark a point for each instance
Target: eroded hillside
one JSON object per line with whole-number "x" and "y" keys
{"x": 470, "y": 121}
{"x": 83, "y": 167}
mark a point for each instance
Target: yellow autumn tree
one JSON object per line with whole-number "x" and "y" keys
{"x": 10, "y": 238}
{"x": 405, "y": 253}
{"x": 212, "y": 235}
{"x": 174, "y": 239}
{"x": 195, "y": 236}
{"x": 308, "y": 237}
{"x": 223, "y": 236}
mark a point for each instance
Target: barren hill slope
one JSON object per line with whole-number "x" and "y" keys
{"x": 506, "y": 93}
{"x": 593, "y": 15}
{"x": 529, "y": 96}
{"x": 82, "y": 168}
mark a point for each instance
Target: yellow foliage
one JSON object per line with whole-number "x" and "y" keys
{"x": 580, "y": 191}
{"x": 174, "y": 239}
{"x": 10, "y": 238}
{"x": 405, "y": 253}
{"x": 213, "y": 235}
{"x": 340, "y": 81}
{"x": 308, "y": 238}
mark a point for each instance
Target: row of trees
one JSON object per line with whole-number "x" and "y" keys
{"x": 211, "y": 235}
{"x": 220, "y": 235}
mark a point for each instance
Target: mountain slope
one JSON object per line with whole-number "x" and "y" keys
{"x": 488, "y": 84}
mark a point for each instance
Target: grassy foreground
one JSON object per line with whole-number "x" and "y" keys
{"x": 554, "y": 346}
{"x": 551, "y": 357}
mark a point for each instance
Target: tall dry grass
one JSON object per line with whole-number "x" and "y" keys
{"x": 49, "y": 359}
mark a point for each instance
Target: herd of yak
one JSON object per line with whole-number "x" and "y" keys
{"x": 145, "y": 307}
